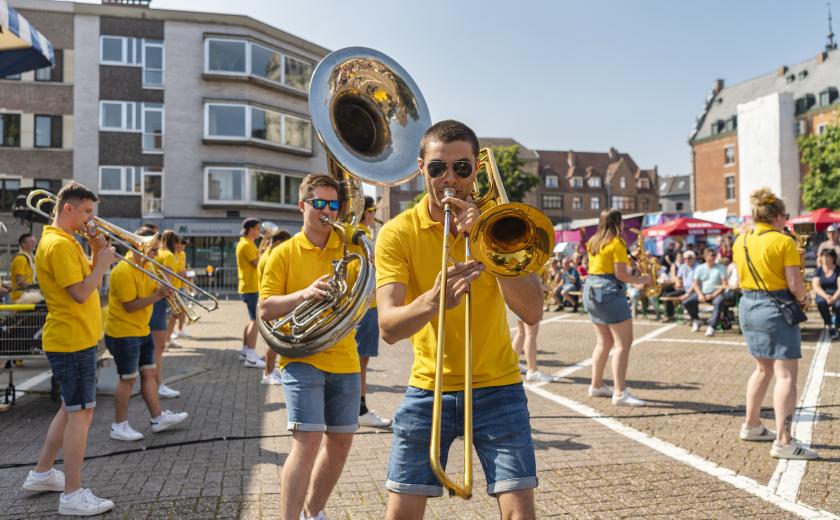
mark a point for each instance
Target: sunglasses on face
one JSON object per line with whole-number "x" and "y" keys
{"x": 462, "y": 168}
{"x": 335, "y": 205}
{"x": 370, "y": 210}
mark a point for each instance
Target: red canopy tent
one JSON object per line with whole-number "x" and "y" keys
{"x": 821, "y": 218}
{"x": 686, "y": 226}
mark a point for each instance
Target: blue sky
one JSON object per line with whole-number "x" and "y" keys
{"x": 584, "y": 75}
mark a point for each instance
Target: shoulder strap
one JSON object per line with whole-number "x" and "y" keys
{"x": 753, "y": 271}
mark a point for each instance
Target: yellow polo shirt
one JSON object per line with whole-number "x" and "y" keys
{"x": 408, "y": 251}
{"x": 128, "y": 284}
{"x": 770, "y": 252}
{"x": 181, "y": 262}
{"x": 604, "y": 262}
{"x": 70, "y": 326}
{"x": 261, "y": 265}
{"x": 369, "y": 234}
{"x": 247, "y": 252}
{"x": 293, "y": 266}
{"x": 20, "y": 267}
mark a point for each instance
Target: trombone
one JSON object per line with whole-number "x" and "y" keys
{"x": 511, "y": 239}
{"x": 138, "y": 246}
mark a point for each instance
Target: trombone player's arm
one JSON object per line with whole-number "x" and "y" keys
{"x": 278, "y": 305}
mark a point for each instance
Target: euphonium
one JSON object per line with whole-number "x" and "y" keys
{"x": 370, "y": 117}
{"x": 647, "y": 265}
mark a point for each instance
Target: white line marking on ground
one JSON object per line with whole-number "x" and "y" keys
{"x": 702, "y": 341}
{"x": 548, "y": 320}
{"x": 832, "y": 374}
{"x": 34, "y": 381}
{"x": 726, "y": 475}
{"x": 788, "y": 475}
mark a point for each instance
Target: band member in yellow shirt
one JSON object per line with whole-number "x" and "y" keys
{"x": 131, "y": 296}
{"x": 181, "y": 257}
{"x": 22, "y": 269}
{"x": 163, "y": 317}
{"x": 247, "y": 260}
{"x": 321, "y": 390}
{"x": 271, "y": 374}
{"x": 70, "y": 283}
{"x": 408, "y": 253}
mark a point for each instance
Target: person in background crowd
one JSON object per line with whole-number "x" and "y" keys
{"x": 708, "y": 287}
{"x": 832, "y": 242}
{"x": 247, "y": 260}
{"x": 570, "y": 278}
{"x": 161, "y": 323}
{"x": 683, "y": 282}
{"x": 582, "y": 265}
{"x": 732, "y": 289}
{"x": 825, "y": 285}
{"x": 181, "y": 257}
{"x": 271, "y": 374}
{"x": 22, "y": 270}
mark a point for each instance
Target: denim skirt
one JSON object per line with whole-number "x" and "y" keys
{"x": 604, "y": 299}
{"x": 767, "y": 334}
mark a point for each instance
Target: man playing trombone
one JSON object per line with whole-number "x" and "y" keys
{"x": 408, "y": 287}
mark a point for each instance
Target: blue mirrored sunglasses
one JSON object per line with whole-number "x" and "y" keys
{"x": 335, "y": 205}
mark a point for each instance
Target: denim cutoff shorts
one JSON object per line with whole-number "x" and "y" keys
{"x": 250, "y": 300}
{"x": 318, "y": 401}
{"x": 158, "y": 319}
{"x": 131, "y": 354}
{"x": 767, "y": 334}
{"x": 76, "y": 376}
{"x": 367, "y": 334}
{"x": 501, "y": 435}
{"x": 604, "y": 299}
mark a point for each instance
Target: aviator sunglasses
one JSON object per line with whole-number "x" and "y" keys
{"x": 462, "y": 168}
{"x": 335, "y": 205}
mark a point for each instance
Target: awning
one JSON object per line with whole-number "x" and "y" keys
{"x": 686, "y": 226}
{"x": 821, "y": 218}
{"x": 22, "y": 46}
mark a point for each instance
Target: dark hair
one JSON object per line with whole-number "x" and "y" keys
{"x": 154, "y": 227}
{"x": 831, "y": 253}
{"x": 74, "y": 193}
{"x": 449, "y": 131}
{"x": 145, "y": 231}
{"x": 169, "y": 239}
{"x": 23, "y": 237}
{"x": 369, "y": 202}
{"x": 609, "y": 227}
{"x": 279, "y": 236}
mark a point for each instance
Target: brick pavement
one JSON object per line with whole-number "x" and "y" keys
{"x": 585, "y": 469}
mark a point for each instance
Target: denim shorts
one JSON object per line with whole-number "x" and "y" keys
{"x": 767, "y": 334}
{"x": 604, "y": 299}
{"x": 250, "y": 300}
{"x": 318, "y": 401}
{"x": 501, "y": 435}
{"x": 76, "y": 376}
{"x": 158, "y": 320}
{"x": 367, "y": 334}
{"x": 131, "y": 354}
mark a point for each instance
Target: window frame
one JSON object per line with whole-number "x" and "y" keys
{"x": 594, "y": 182}
{"x": 576, "y": 182}
{"x": 249, "y": 62}
{"x": 551, "y": 182}
{"x": 158, "y": 44}
{"x": 644, "y": 183}
{"x": 726, "y": 186}
{"x": 577, "y": 203}
{"x": 53, "y": 119}
{"x": 148, "y": 107}
{"x": 124, "y": 111}
{"x": 249, "y": 172}
{"x": 726, "y": 158}
{"x": 594, "y": 202}
{"x": 552, "y": 197}
{"x": 248, "y": 137}
{"x": 136, "y": 174}
{"x": 207, "y": 70}
{"x": 3, "y": 142}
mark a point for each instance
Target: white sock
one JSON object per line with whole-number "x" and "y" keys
{"x": 41, "y": 475}
{"x": 65, "y": 496}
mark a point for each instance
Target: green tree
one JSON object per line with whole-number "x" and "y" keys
{"x": 516, "y": 181}
{"x": 821, "y": 187}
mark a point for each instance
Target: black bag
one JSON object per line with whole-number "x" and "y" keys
{"x": 790, "y": 311}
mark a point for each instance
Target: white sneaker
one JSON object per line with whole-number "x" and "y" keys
{"x": 756, "y": 433}
{"x": 793, "y": 451}
{"x": 83, "y": 503}
{"x": 319, "y": 516}
{"x": 173, "y": 344}
{"x": 710, "y": 331}
{"x": 625, "y": 399}
{"x": 243, "y": 353}
{"x": 538, "y": 377}
{"x": 271, "y": 379}
{"x": 253, "y": 361}
{"x": 604, "y": 391}
{"x": 167, "y": 393}
{"x": 371, "y": 420}
{"x": 54, "y": 481}
{"x": 695, "y": 326}
{"x": 124, "y": 432}
{"x": 184, "y": 333}
{"x": 174, "y": 335}
{"x": 167, "y": 420}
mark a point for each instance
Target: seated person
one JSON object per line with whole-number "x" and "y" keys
{"x": 569, "y": 281}
{"x": 825, "y": 285}
{"x": 683, "y": 275}
{"x": 708, "y": 287}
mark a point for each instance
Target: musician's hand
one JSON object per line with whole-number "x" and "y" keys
{"x": 645, "y": 279}
{"x": 162, "y": 292}
{"x": 465, "y": 213}
{"x": 98, "y": 243}
{"x": 106, "y": 256}
{"x": 318, "y": 290}
{"x": 458, "y": 278}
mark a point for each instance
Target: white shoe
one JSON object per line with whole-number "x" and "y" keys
{"x": 756, "y": 433}
{"x": 173, "y": 344}
{"x": 371, "y": 420}
{"x": 319, "y": 516}
{"x": 538, "y": 377}
{"x": 271, "y": 379}
{"x": 625, "y": 399}
{"x": 167, "y": 393}
{"x": 243, "y": 353}
{"x": 174, "y": 335}
{"x": 695, "y": 326}
{"x": 253, "y": 361}
{"x": 54, "y": 481}
{"x": 793, "y": 451}
{"x": 167, "y": 420}
{"x": 604, "y": 391}
{"x": 83, "y": 503}
{"x": 710, "y": 331}
{"x": 184, "y": 333}
{"x": 124, "y": 432}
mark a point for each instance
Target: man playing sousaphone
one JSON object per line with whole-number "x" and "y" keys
{"x": 408, "y": 288}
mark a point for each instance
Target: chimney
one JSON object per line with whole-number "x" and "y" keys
{"x": 717, "y": 86}
{"x": 570, "y": 159}
{"x": 613, "y": 153}
{"x": 821, "y": 57}
{"x": 782, "y": 71}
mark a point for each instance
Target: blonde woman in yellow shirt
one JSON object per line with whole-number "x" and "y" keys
{"x": 605, "y": 300}
{"x": 70, "y": 283}
{"x": 768, "y": 271}
{"x": 163, "y": 318}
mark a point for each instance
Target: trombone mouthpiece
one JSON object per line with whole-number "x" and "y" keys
{"x": 448, "y": 192}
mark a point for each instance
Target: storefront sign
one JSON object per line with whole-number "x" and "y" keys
{"x": 218, "y": 228}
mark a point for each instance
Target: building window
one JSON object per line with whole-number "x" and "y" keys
{"x": 717, "y": 127}
{"x": 577, "y": 203}
{"x": 153, "y": 63}
{"x": 595, "y": 203}
{"x": 821, "y": 128}
{"x": 120, "y": 116}
{"x": 120, "y": 180}
{"x": 229, "y": 121}
{"x": 47, "y": 131}
{"x": 8, "y": 193}
{"x": 802, "y": 127}
{"x": 679, "y": 206}
{"x": 152, "y": 192}
{"x": 225, "y": 184}
{"x": 152, "y": 127}
{"x": 620, "y": 202}
{"x": 54, "y": 73}
{"x": 729, "y": 155}
{"x": 120, "y": 50}
{"x": 645, "y": 205}
{"x": 731, "y": 124}
{"x": 551, "y": 181}
{"x": 244, "y": 58}
{"x": 644, "y": 183}
{"x": 622, "y": 182}
{"x": 51, "y": 185}
{"x": 552, "y": 201}
{"x": 828, "y": 96}
{"x": 729, "y": 182}
{"x": 594, "y": 182}
{"x": 577, "y": 182}
{"x": 262, "y": 187}
{"x": 10, "y": 130}
{"x": 805, "y": 103}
